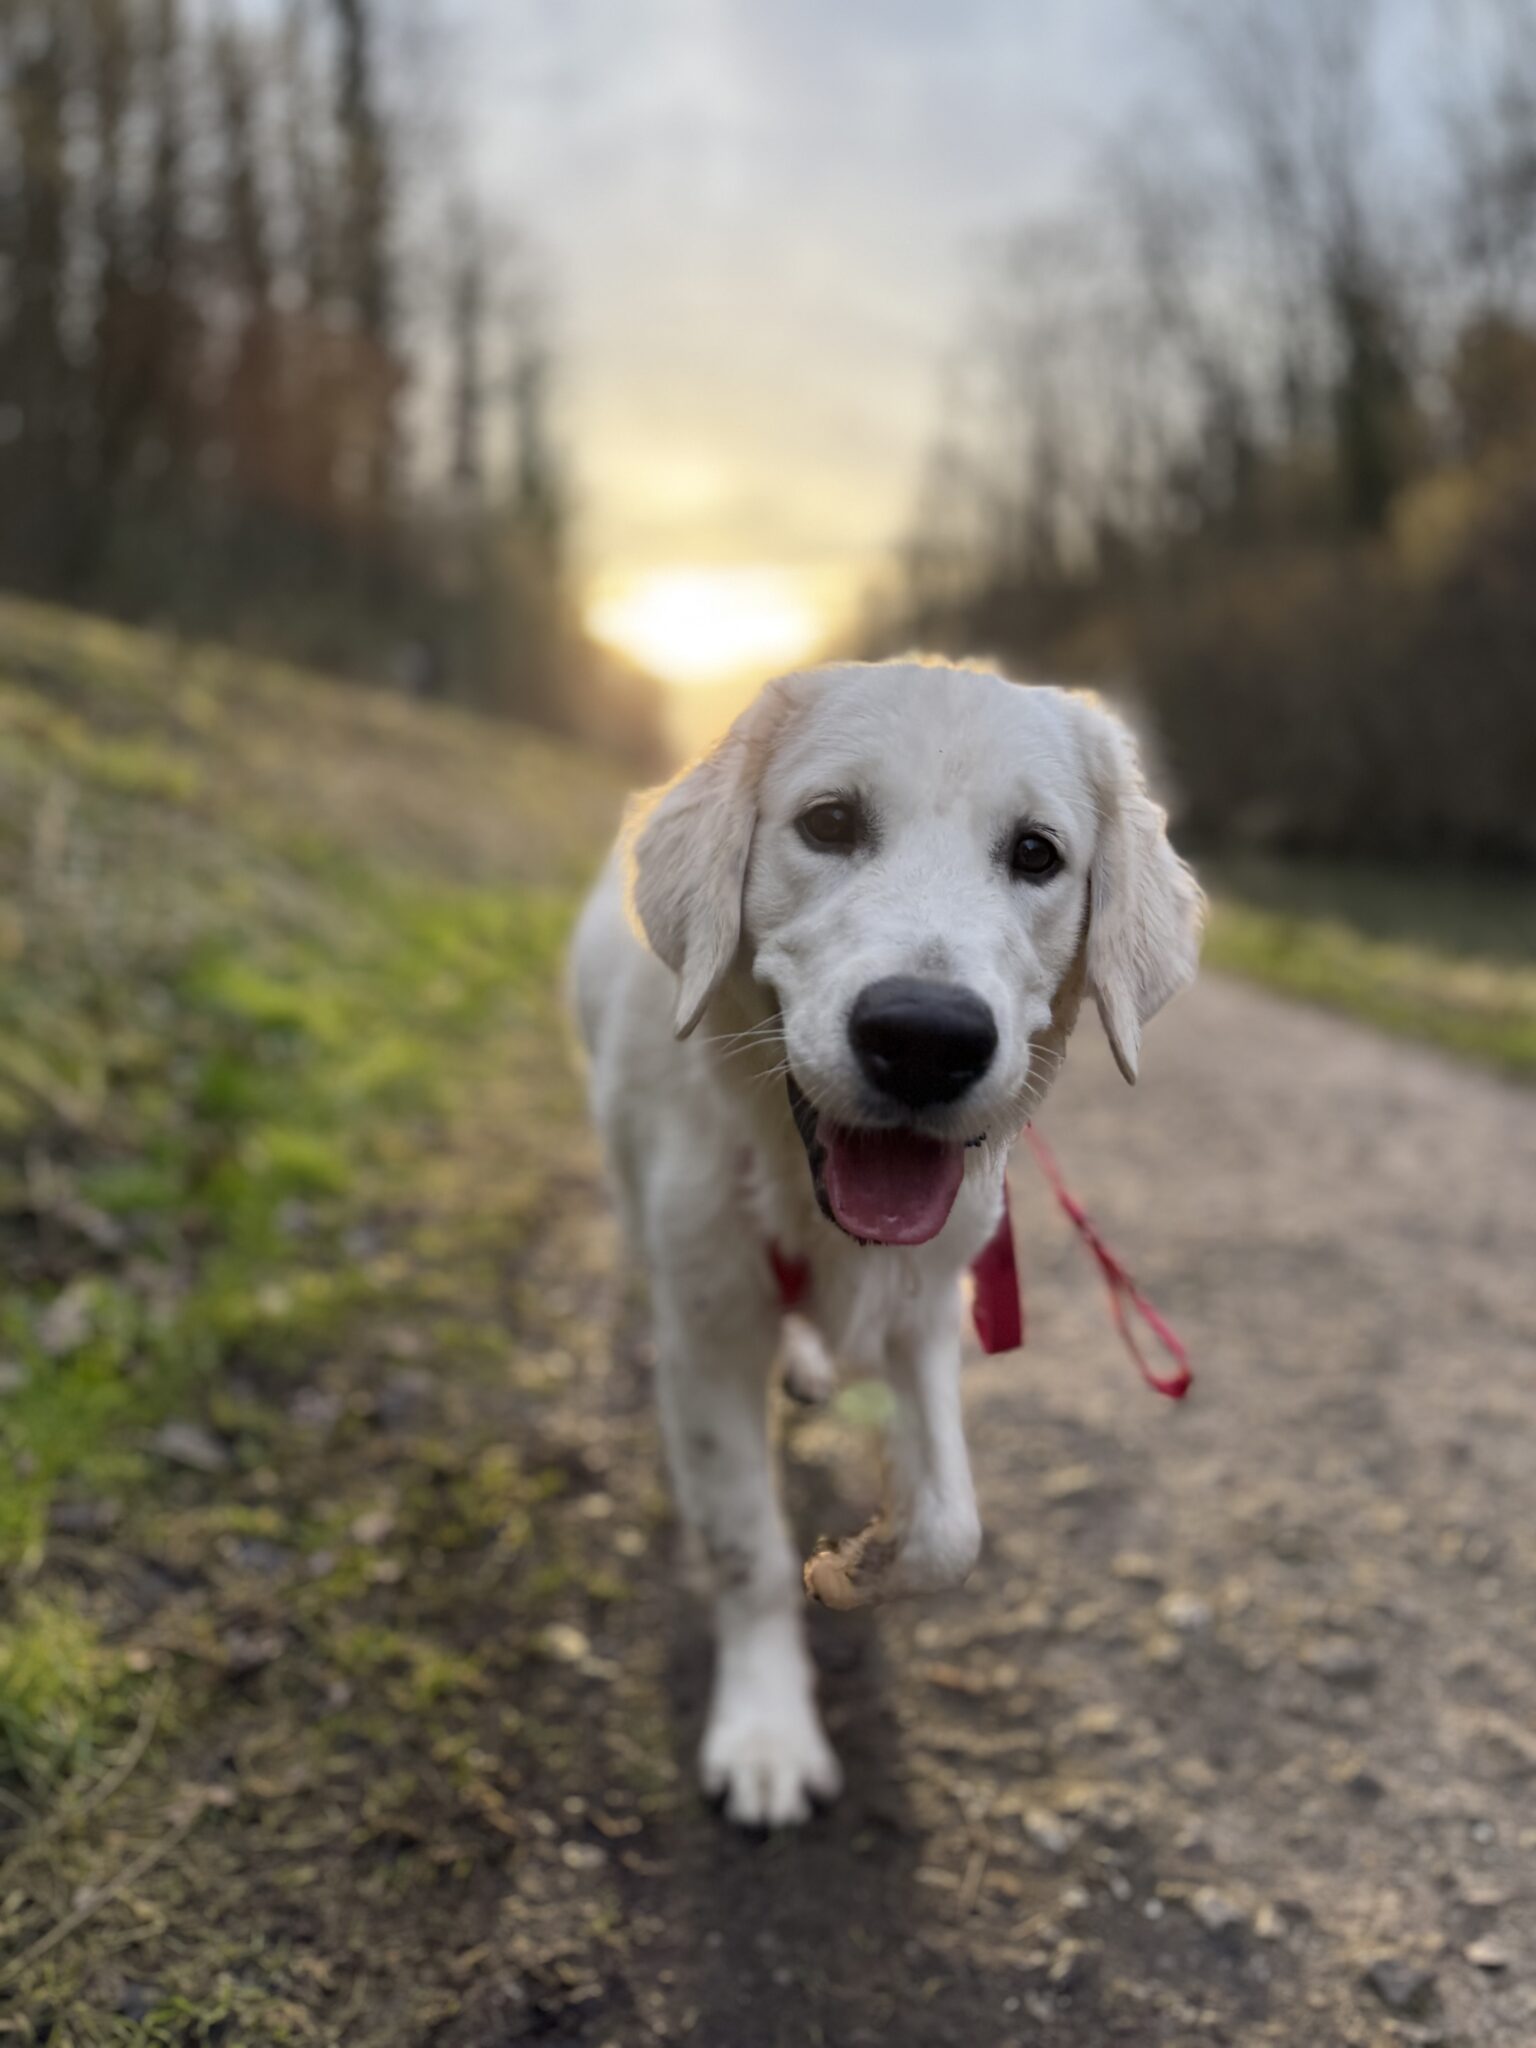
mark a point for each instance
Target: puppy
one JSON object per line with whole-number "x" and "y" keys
{"x": 825, "y": 981}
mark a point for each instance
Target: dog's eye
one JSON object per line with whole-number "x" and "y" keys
{"x": 1034, "y": 858}
{"x": 835, "y": 825}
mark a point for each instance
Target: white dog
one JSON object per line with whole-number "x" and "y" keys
{"x": 884, "y": 894}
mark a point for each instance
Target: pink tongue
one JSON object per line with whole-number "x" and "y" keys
{"x": 891, "y": 1187}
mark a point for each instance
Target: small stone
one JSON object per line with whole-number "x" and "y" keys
{"x": 564, "y": 1643}
{"x": 1072, "y": 1482}
{"x": 1098, "y": 1724}
{"x": 374, "y": 1527}
{"x": 1483, "y": 1895}
{"x": 1402, "y": 1986}
{"x": 189, "y": 1444}
{"x": 1192, "y": 1774}
{"x": 1341, "y": 1661}
{"x": 1487, "y": 1954}
{"x": 1047, "y": 1832}
{"x": 256, "y": 1554}
{"x": 1363, "y": 1783}
{"x": 405, "y": 1397}
{"x": 315, "y": 1408}
{"x": 1083, "y": 1618}
{"x": 1269, "y": 1922}
{"x": 1070, "y": 1966}
{"x": 84, "y": 1518}
{"x": 295, "y": 1218}
{"x": 1185, "y": 1613}
{"x": 1136, "y": 1568}
{"x": 13, "y": 1377}
{"x": 583, "y": 1855}
{"x": 138, "y": 2001}
{"x": 66, "y": 1322}
{"x": 1216, "y": 1913}
{"x": 249, "y": 1650}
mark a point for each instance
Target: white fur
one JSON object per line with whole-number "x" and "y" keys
{"x": 767, "y": 942}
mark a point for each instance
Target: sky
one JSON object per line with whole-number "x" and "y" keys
{"x": 762, "y": 222}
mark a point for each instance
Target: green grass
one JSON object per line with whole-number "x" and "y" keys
{"x": 1448, "y": 958}
{"x": 61, "y": 1692}
{"x": 260, "y": 935}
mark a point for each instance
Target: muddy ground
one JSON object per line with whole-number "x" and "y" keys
{"x": 1231, "y": 1739}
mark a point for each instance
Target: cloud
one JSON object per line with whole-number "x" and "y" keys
{"x": 763, "y": 223}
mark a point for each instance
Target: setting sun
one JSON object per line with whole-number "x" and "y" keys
{"x": 706, "y": 625}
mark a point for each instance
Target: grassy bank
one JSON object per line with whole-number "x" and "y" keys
{"x": 261, "y": 938}
{"x": 304, "y": 1527}
{"x": 1449, "y": 958}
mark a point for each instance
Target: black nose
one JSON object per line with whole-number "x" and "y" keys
{"x": 922, "y": 1042}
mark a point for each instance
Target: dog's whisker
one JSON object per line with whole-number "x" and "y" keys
{"x": 756, "y": 1034}
{"x": 737, "y": 1052}
{"x": 733, "y": 1046}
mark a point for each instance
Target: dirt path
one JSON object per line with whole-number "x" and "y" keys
{"x": 1230, "y": 1737}
{"x": 1229, "y": 1740}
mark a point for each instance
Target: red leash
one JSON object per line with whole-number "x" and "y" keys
{"x": 1124, "y": 1294}
{"x": 997, "y": 1306}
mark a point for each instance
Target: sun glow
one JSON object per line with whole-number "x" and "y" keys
{"x": 707, "y": 625}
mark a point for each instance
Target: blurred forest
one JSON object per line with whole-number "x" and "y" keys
{"x": 1252, "y": 436}
{"x": 265, "y": 373}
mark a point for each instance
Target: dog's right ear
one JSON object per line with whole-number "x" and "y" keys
{"x": 689, "y": 843}
{"x": 1147, "y": 912}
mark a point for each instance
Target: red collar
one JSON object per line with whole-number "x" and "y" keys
{"x": 997, "y": 1302}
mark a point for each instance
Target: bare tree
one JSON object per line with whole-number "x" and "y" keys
{"x": 1490, "y": 117}
{"x": 467, "y": 422}
{"x": 35, "y": 373}
{"x": 366, "y": 269}
{"x": 1261, "y": 430}
{"x": 212, "y": 304}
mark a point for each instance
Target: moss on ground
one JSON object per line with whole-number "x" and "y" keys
{"x": 303, "y": 1537}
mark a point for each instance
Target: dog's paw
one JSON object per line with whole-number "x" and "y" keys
{"x": 770, "y": 1769}
{"x": 810, "y": 1374}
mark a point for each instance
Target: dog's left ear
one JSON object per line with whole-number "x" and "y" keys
{"x": 690, "y": 842}
{"x": 1146, "y": 909}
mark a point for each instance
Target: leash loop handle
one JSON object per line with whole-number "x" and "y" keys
{"x": 1125, "y": 1297}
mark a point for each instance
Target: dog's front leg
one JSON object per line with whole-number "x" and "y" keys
{"x": 764, "y": 1751}
{"x": 928, "y": 1535}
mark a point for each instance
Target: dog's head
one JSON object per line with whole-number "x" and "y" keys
{"x": 920, "y": 869}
